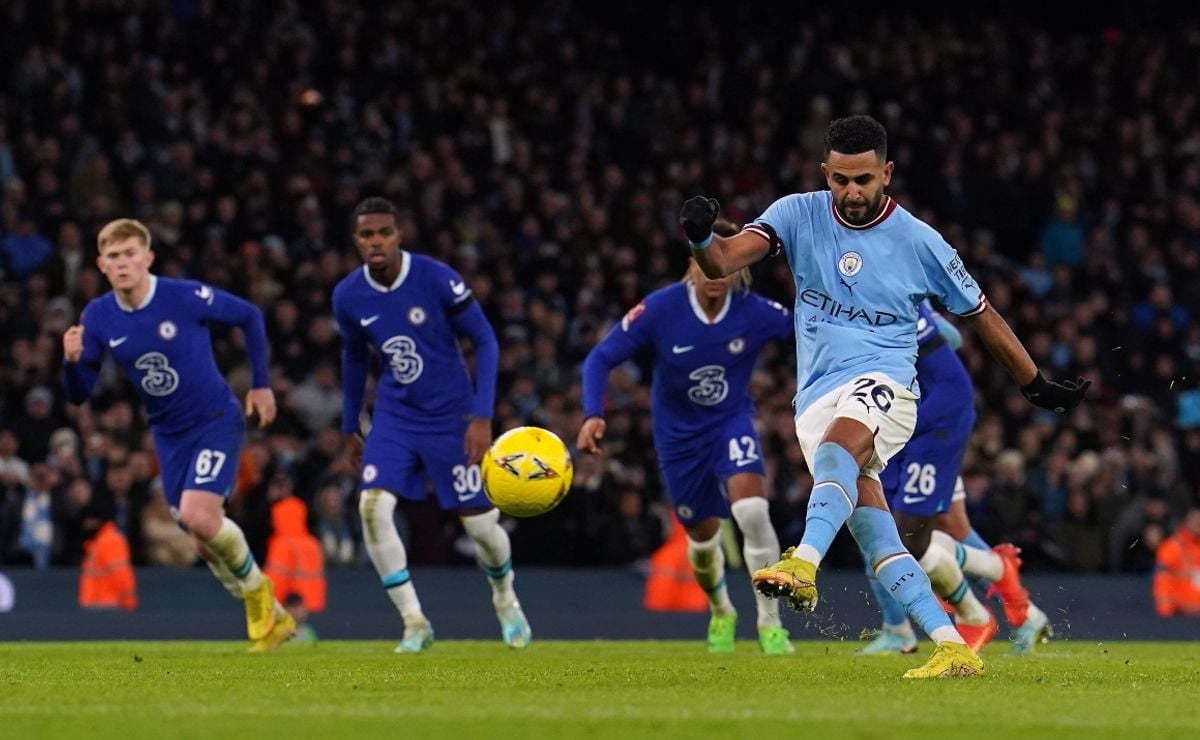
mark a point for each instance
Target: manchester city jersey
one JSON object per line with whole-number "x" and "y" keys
{"x": 702, "y": 368}
{"x": 165, "y": 348}
{"x": 423, "y": 383}
{"x": 857, "y": 289}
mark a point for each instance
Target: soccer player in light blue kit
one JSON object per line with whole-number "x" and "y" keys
{"x": 861, "y": 264}
{"x": 430, "y": 420}
{"x": 921, "y": 483}
{"x": 705, "y": 336}
{"x": 157, "y": 329}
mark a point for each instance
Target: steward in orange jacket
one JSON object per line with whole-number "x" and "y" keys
{"x": 295, "y": 561}
{"x": 672, "y": 585}
{"x": 107, "y": 580}
{"x": 1177, "y": 576}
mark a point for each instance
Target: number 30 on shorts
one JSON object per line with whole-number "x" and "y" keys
{"x": 467, "y": 481}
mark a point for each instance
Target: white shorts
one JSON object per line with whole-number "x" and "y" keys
{"x": 881, "y": 404}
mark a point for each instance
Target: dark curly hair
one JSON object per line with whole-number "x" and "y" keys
{"x": 856, "y": 134}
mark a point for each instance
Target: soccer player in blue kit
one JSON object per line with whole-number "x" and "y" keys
{"x": 861, "y": 264}
{"x": 429, "y": 421}
{"x": 157, "y": 329}
{"x": 921, "y": 483}
{"x": 705, "y": 336}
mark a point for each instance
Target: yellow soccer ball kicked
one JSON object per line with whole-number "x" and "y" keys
{"x": 527, "y": 471}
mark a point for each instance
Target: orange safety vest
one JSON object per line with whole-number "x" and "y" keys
{"x": 295, "y": 561}
{"x": 672, "y": 585}
{"x": 1177, "y": 577}
{"x": 107, "y": 580}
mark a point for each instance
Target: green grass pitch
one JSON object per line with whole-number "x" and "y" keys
{"x": 469, "y": 690}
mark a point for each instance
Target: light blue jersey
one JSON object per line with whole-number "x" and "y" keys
{"x": 857, "y": 289}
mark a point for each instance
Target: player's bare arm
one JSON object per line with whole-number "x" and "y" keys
{"x": 716, "y": 255}
{"x": 998, "y": 337}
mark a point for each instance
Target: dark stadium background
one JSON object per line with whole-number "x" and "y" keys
{"x": 544, "y": 150}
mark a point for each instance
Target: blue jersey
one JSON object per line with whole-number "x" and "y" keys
{"x": 857, "y": 289}
{"x": 701, "y": 369}
{"x": 166, "y": 350}
{"x": 413, "y": 325}
{"x": 947, "y": 391}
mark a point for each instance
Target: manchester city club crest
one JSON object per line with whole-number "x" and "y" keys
{"x": 167, "y": 330}
{"x": 416, "y": 315}
{"x": 850, "y": 264}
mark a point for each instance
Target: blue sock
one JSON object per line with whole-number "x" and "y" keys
{"x": 893, "y": 613}
{"x": 833, "y": 496}
{"x": 897, "y": 570}
{"x": 974, "y": 540}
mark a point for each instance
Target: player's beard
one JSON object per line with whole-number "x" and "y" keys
{"x": 869, "y": 213}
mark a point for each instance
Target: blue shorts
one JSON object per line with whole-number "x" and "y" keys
{"x": 920, "y": 479}
{"x": 203, "y": 458}
{"x": 695, "y": 476}
{"x": 400, "y": 462}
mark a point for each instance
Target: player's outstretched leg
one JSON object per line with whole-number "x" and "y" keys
{"x": 760, "y": 547}
{"x": 495, "y": 556}
{"x": 1001, "y": 566}
{"x": 387, "y": 553}
{"x": 974, "y": 620}
{"x": 896, "y": 636}
{"x": 876, "y": 534}
{"x": 834, "y": 495}
{"x": 708, "y": 563}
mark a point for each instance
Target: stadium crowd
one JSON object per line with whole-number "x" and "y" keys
{"x": 544, "y": 151}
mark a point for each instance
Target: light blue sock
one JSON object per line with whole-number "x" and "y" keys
{"x": 974, "y": 540}
{"x": 898, "y": 572}
{"x": 893, "y": 613}
{"x": 833, "y": 496}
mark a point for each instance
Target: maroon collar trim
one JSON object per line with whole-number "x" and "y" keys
{"x": 889, "y": 205}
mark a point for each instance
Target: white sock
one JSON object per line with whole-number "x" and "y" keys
{"x": 495, "y": 554}
{"x": 760, "y": 548}
{"x": 808, "y": 553}
{"x": 948, "y": 582}
{"x": 224, "y": 575}
{"x": 946, "y": 634}
{"x": 708, "y": 563}
{"x": 231, "y": 549}
{"x": 377, "y": 507}
{"x": 904, "y": 630}
{"x": 982, "y": 563}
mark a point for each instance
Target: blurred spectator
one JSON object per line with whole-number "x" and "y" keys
{"x": 294, "y": 561}
{"x": 548, "y": 166}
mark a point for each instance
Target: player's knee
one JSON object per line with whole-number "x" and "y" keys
{"x": 376, "y": 504}
{"x": 752, "y": 515}
{"x": 478, "y": 525}
{"x": 200, "y": 521}
{"x": 832, "y": 459}
{"x": 703, "y": 530}
{"x": 915, "y": 533}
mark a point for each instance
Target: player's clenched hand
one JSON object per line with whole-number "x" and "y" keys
{"x": 1057, "y": 397}
{"x": 589, "y": 435}
{"x": 261, "y": 400}
{"x": 73, "y": 343}
{"x": 477, "y": 440}
{"x": 698, "y": 216}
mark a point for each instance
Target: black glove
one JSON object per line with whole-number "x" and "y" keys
{"x": 1057, "y": 397}
{"x": 698, "y": 216}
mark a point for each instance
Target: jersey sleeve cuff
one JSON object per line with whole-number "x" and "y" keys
{"x": 979, "y": 307}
